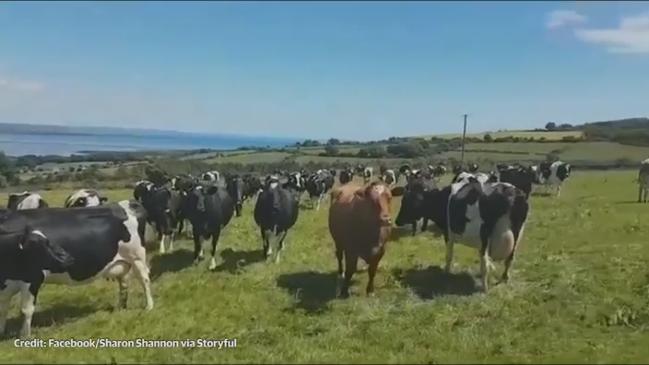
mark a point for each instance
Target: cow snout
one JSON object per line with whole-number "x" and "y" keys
{"x": 386, "y": 220}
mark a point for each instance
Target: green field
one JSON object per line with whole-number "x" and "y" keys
{"x": 548, "y": 135}
{"x": 579, "y": 293}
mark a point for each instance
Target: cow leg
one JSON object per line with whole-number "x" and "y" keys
{"x": 27, "y": 305}
{"x": 5, "y": 301}
{"x": 317, "y": 207}
{"x": 351, "y": 260}
{"x": 142, "y": 275}
{"x": 198, "y": 245}
{"x": 640, "y": 193}
{"x": 414, "y": 227}
{"x": 339, "y": 257}
{"x": 280, "y": 245}
{"x": 172, "y": 237}
{"x": 485, "y": 231}
{"x": 373, "y": 266}
{"x": 424, "y": 225}
{"x": 215, "y": 240}
{"x": 449, "y": 254}
{"x": 558, "y": 190}
{"x": 161, "y": 237}
{"x": 123, "y": 292}
{"x": 266, "y": 242}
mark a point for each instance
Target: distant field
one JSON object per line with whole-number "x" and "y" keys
{"x": 579, "y": 293}
{"x": 550, "y": 136}
{"x": 257, "y": 157}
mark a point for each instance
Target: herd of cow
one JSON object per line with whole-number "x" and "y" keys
{"x": 91, "y": 237}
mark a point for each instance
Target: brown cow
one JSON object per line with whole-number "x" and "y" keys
{"x": 360, "y": 224}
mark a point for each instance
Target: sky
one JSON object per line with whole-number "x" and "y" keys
{"x": 351, "y": 70}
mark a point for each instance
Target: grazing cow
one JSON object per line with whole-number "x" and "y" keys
{"x": 367, "y": 174}
{"x": 553, "y": 174}
{"x": 211, "y": 176}
{"x": 345, "y": 176}
{"x": 389, "y": 177}
{"x": 163, "y": 211}
{"x": 84, "y": 198}
{"x": 437, "y": 171}
{"x": 25, "y": 200}
{"x": 68, "y": 246}
{"x": 276, "y": 211}
{"x": 487, "y": 216}
{"x": 236, "y": 187}
{"x": 519, "y": 176}
{"x": 209, "y": 209}
{"x": 643, "y": 181}
{"x": 360, "y": 224}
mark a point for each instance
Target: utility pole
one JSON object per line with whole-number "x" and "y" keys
{"x": 463, "y": 137}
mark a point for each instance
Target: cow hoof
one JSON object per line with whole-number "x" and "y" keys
{"x": 148, "y": 307}
{"x": 212, "y": 266}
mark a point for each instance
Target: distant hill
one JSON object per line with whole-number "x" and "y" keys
{"x": 630, "y": 131}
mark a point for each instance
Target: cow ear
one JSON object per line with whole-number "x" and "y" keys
{"x": 397, "y": 191}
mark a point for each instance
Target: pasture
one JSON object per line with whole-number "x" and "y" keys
{"x": 579, "y": 292}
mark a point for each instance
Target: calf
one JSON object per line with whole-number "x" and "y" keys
{"x": 643, "y": 181}
{"x": 209, "y": 209}
{"x": 552, "y": 175}
{"x": 487, "y": 216}
{"x": 276, "y": 211}
{"x": 360, "y": 224}
{"x": 69, "y": 246}
{"x": 84, "y": 198}
{"x": 25, "y": 200}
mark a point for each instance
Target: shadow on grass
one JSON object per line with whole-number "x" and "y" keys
{"x": 629, "y": 202}
{"x": 233, "y": 260}
{"x": 434, "y": 281}
{"x": 311, "y": 290}
{"x": 542, "y": 193}
{"x": 171, "y": 262}
{"x": 52, "y": 316}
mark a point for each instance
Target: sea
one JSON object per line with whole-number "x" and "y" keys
{"x": 67, "y": 144}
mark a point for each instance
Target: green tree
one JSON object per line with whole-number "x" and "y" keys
{"x": 551, "y": 126}
{"x": 488, "y": 138}
{"x": 331, "y": 150}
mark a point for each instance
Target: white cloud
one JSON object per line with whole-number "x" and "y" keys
{"x": 20, "y": 85}
{"x": 561, "y": 18}
{"x": 631, "y": 35}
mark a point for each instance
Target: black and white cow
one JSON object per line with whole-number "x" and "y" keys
{"x": 317, "y": 185}
{"x": 211, "y": 176}
{"x": 163, "y": 207}
{"x": 297, "y": 182}
{"x": 25, "y": 200}
{"x": 236, "y": 188}
{"x": 552, "y": 175}
{"x": 84, "y": 198}
{"x": 69, "y": 246}
{"x": 520, "y": 176}
{"x": 209, "y": 209}
{"x": 416, "y": 203}
{"x": 345, "y": 176}
{"x": 253, "y": 186}
{"x": 389, "y": 177}
{"x": 643, "y": 181}
{"x": 368, "y": 171}
{"x": 276, "y": 211}
{"x": 487, "y": 216}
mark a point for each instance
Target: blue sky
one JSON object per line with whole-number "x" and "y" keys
{"x": 357, "y": 70}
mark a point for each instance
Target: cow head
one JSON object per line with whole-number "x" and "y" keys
{"x": 37, "y": 249}
{"x": 412, "y": 203}
{"x": 235, "y": 187}
{"x": 381, "y": 197}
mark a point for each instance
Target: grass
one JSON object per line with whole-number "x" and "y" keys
{"x": 256, "y": 157}
{"x": 579, "y": 293}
